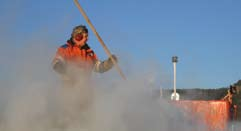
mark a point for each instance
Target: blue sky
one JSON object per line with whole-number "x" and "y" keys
{"x": 204, "y": 34}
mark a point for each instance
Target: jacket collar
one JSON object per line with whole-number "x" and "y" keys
{"x": 71, "y": 43}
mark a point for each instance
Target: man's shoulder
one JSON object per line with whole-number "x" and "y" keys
{"x": 85, "y": 47}
{"x": 64, "y": 46}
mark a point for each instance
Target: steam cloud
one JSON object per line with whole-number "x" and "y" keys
{"x": 32, "y": 97}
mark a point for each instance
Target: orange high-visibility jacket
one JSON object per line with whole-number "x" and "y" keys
{"x": 83, "y": 57}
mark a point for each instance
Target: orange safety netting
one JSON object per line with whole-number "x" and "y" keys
{"x": 214, "y": 114}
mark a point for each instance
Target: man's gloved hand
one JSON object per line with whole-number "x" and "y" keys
{"x": 110, "y": 62}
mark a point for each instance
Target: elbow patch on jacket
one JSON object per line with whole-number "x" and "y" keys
{"x": 59, "y": 67}
{"x": 59, "y": 64}
{"x": 98, "y": 66}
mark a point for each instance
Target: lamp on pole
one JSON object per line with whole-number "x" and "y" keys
{"x": 175, "y": 95}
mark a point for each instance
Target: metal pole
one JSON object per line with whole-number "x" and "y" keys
{"x": 161, "y": 92}
{"x": 175, "y": 94}
{"x": 174, "y": 82}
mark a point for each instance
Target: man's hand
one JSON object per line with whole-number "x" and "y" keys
{"x": 110, "y": 61}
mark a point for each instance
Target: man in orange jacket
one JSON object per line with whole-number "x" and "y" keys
{"x": 75, "y": 61}
{"x": 77, "y": 54}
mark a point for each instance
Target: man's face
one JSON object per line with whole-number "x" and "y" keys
{"x": 82, "y": 41}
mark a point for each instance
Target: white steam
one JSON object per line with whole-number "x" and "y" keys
{"x": 32, "y": 96}
{"x": 34, "y": 99}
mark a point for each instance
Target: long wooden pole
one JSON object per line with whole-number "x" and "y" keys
{"x": 99, "y": 38}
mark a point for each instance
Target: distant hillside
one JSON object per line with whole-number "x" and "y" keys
{"x": 238, "y": 83}
{"x": 198, "y": 94}
{"x": 204, "y": 94}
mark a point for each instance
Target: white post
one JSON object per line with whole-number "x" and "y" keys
{"x": 175, "y": 95}
{"x": 160, "y": 92}
{"x": 174, "y": 79}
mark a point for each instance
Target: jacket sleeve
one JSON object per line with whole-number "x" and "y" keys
{"x": 103, "y": 66}
{"x": 58, "y": 63}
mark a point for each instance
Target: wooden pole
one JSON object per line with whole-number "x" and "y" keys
{"x": 99, "y": 38}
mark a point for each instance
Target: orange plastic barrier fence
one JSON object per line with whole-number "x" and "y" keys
{"x": 214, "y": 114}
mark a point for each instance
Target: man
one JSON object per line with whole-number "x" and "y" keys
{"x": 75, "y": 61}
{"x": 232, "y": 98}
{"x": 77, "y": 53}
{"x": 234, "y": 101}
